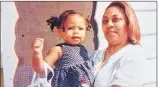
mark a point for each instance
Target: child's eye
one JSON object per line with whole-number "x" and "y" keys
{"x": 70, "y": 28}
{"x": 81, "y": 28}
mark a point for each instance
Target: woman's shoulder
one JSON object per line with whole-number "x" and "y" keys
{"x": 134, "y": 48}
{"x": 134, "y": 52}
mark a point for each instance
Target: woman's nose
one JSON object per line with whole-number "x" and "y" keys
{"x": 110, "y": 24}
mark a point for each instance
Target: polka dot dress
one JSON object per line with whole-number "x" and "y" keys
{"x": 73, "y": 68}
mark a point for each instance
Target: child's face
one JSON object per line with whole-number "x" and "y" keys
{"x": 75, "y": 29}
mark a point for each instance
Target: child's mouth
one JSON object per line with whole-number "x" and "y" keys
{"x": 76, "y": 38}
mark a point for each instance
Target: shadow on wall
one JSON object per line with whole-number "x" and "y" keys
{"x": 32, "y": 24}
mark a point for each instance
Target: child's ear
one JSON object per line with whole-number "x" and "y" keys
{"x": 59, "y": 32}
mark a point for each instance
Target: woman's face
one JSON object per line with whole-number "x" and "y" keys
{"x": 115, "y": 26}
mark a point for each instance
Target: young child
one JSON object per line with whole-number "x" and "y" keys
{"x": 72, "y": 68}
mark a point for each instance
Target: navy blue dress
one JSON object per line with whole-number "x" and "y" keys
{"x": 73, "y": 68}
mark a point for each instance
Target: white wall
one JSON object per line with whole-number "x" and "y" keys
{"x": 146, "y": 13}
{"x": 9, "y": 59}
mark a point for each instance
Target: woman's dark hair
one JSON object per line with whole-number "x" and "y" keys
{"x": 132, "y": 22}
{"x": 59, "y": 22}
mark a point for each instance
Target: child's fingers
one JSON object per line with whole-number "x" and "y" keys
{"x": 37, "y": 50}
{"x": 38, "y": 42}
{"x": 40, "y": 39}
{"x": 36, "y": 45}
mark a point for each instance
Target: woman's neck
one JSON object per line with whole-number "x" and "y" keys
{"x": 111, "y": 49}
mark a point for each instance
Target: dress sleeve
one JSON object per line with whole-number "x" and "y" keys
{"x": 129, "y": 72}
{"x": 96, "y": 56}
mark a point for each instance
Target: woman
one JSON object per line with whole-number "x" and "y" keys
{"x": 119, "y": 65}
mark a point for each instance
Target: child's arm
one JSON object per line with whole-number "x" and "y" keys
{"x": 37, "y": 60}
{"x": 53, "y": 55}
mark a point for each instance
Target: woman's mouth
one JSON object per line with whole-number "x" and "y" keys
{"x": 111, "y": 33}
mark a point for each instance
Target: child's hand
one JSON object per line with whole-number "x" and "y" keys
{"x": 37, "y": 45}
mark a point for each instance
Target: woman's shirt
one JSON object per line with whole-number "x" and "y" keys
{"x": 123, "y": 68}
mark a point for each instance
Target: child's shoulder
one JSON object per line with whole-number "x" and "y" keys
{"x": 60, "y": 44}
{"x": 55, "y": 49}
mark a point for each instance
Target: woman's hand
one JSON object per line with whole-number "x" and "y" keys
{"x": 85, "y": 85}
{"x": 37, "y": 45}
{"x": 115, "y": 86}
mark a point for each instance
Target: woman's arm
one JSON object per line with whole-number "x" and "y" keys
{"x": 115, "y": 86}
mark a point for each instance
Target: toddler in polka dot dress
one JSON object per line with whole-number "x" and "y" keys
{"x": 72, "y": 65}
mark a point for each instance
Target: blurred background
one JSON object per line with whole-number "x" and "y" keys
{"x": 21, "y": 22}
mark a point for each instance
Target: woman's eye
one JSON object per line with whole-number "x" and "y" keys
{"x": 105, "y": 21}
{"x": 116, "y": 19}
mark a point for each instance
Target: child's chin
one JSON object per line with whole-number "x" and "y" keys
{"x": 75, "y": 43}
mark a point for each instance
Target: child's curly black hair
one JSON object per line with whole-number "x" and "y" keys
{"x": 58, "y": 22}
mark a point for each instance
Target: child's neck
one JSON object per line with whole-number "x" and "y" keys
{"x": 72, "y": 44}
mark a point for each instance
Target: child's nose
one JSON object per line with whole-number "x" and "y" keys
{"x": 76, "y": 30}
